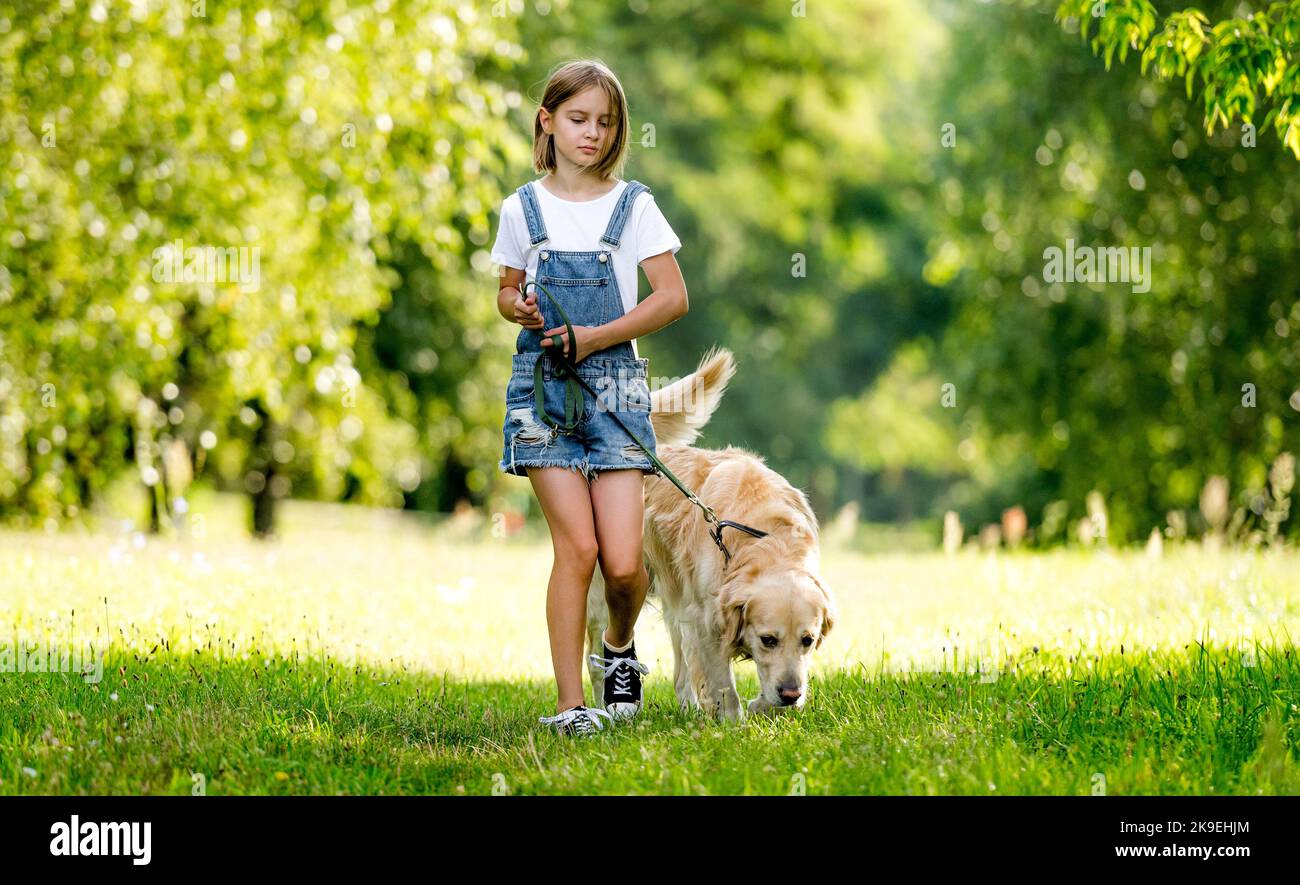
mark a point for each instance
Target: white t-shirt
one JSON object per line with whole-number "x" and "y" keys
{"x": 578, "y": 227}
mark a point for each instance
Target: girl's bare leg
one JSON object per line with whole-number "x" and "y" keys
{"x": 618, "y": 502}
{"x": 563, "y": 494}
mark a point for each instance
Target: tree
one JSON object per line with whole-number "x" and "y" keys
{"x": 1141, "y": 395}
{"x": 149, "y": 144}
{"x": 1242, "y": 64}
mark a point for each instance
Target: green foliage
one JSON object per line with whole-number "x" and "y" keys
{"x": 829, "y": 236}
{"x": 234, "y": 126}
{"x": 1139, "y": 395}
{"x": 1241, "y": 63}
{"x": 898, "y": 423}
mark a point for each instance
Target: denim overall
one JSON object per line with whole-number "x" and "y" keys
{"x": 585, "y": 286}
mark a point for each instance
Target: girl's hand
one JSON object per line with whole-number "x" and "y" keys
{"x": 527, "y": 313}
{"x": 586, "y": 337}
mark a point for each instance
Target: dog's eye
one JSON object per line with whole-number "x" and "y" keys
{"x": 769, "y": 641}
{"x": 807, "y": 641}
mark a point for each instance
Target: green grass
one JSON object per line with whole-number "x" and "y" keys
{"x": 382, "y": 657}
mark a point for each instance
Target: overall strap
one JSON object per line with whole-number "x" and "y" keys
{"x": 622, "y": 211}
{"x": 532, "y": 213}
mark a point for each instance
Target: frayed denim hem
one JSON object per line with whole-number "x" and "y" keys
{"x": 532, "y": 433}
{"x": 578, "y": 464}
{"x": 646, "y": 469}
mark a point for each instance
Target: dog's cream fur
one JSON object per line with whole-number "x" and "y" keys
{"x": 769, "y": 595}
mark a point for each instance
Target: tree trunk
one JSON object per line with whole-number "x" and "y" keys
{"x": 264, "y": 509}
{"x": 261, "y": 462}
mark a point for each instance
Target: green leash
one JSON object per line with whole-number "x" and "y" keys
{"x": 574, "y": 385}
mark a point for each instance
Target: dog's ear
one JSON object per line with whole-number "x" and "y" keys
{"x": 829, "y": 611}
{"x": 733, "y": 605}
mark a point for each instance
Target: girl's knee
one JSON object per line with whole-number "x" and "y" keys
{"x": 621, "y": 575}
{"x": 577, "y": 552}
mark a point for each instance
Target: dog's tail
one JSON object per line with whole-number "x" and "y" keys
{"x": 680, "y": 410}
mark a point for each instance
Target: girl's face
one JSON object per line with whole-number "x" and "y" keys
{"x": 580, "y": 126}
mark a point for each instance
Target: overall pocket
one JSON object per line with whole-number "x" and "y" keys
{"x": 637, "y": 395}
{"x": 623, "y": 388}
{"x": 519, "y": 387}
{"x": 585, "y": 301}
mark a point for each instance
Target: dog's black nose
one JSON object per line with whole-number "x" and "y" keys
{"x": 789, "y": 694}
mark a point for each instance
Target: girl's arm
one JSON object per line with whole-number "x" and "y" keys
{"x": 665, "y": 304}
{"x": 509, "y": 296}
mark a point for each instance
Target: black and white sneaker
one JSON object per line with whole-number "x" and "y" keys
{"x": 577, "y": 720}
{"x": 623, "y": 674}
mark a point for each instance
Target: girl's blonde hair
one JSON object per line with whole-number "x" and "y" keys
{"x": 567, "y": 81}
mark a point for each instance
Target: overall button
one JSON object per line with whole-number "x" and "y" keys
{"x": 604, "y": 256}
{"x": 546, "y": 255}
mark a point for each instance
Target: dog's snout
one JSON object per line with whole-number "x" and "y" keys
{"x": 790, "y": 693}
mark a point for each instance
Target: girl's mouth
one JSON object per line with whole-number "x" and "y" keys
{"x": 590, "y": 150}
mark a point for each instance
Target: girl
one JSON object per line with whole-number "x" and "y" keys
{"x": 580, "y": 232}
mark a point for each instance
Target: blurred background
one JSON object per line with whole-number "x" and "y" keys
{"x": 864, "y": 190}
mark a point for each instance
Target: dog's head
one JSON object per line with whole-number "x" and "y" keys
{"x": 777, "y": 619}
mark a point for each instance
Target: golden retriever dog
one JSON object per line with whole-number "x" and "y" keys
{"x": 768, "y": 604}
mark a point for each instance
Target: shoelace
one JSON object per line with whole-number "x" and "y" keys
{"x": 622, "y": 681}
{"x": 579, "y": 719}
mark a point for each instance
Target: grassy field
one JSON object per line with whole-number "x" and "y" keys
{"x": 366, "y": 653}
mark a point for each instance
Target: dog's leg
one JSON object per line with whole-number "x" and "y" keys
{"x": 694, "y": 675}
{"x": 597, "y": 620}
{"x": 723, "y": 685}
{"x": 718, "y": 695}
{"x": 681, "y": 670}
